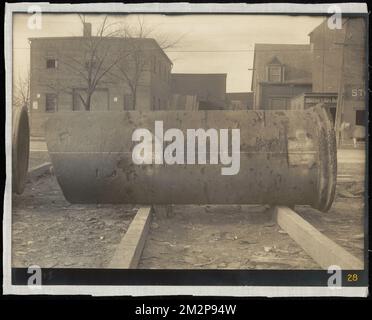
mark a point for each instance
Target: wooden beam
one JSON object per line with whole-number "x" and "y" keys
{"x": 39, "y": 170}
{"x": 322, "y": 249}
{"x": 128, "y": 253}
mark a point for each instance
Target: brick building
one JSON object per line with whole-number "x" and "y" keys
{"x": 62, "y": 66}
{"x": 339, "y": 65}
{"x": 280, "y": 72}
{"x": 311, "y": 99}
{"x": 331, "y": 70}
{"x": 210, "y": 89}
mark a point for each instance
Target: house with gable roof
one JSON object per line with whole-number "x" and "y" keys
{"x": 280, "y": 72}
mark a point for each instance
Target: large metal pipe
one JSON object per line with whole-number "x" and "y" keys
{"x": 286, "y": 158}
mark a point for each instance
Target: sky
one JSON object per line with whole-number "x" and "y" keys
{"x": 207, "y": 43}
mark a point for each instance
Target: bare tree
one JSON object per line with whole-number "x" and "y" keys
{"x": 136, "y": 53}
{"x": 92, "y": 65}
{"x": 21, "y": 91}
{"x": 104, "y": 61}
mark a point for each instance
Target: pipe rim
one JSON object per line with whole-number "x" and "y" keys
{"x": 20, "y": 149}
{"x": 327, "y": 174}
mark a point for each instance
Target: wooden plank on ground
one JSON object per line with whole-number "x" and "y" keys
{"x": 128, "y": 253}
{"x": 40, "y": 170}
{"x": 322, "y": 249}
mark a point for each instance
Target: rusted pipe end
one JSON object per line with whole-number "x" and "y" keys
{"x": 327, "y": 175}
{"x": 20, "y": 149}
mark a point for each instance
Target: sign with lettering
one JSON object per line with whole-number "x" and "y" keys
{"x": 355, "y": 92}
{"x": 313, "y": 100}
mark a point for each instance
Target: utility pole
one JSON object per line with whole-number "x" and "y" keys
{"x": 341, "y": 90}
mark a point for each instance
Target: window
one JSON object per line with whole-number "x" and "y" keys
{"x": 50, "y": 102}
{"x": 128, "y": 102}
{"x": 360, "y": 117}
{"x": 51, "y": 64}
{"x": 278, "y": 103}
{"x": 275, "y": 74}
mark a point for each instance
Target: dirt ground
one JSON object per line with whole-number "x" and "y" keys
{"x": 246, "y": 237}
{"x": 50, "y": 232}
{"x": 221, "y": 237}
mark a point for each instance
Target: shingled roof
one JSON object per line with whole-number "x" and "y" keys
{"x": 296, "y": 58}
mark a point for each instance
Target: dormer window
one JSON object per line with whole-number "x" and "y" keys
{"x": 275, "y": 71}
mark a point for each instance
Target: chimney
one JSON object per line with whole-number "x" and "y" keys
{"x": 87, "y": 29}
